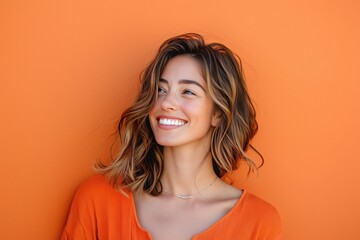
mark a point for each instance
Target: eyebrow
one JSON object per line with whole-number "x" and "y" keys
{"x": 184, "y": 81}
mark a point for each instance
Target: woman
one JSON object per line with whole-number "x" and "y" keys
{"x": 190, "y": 125}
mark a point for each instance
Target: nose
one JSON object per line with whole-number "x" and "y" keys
{"x": 169, "y": 102}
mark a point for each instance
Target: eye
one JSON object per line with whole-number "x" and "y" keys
{"x": 189, "y": 92}
{"x": 161, "y": 90}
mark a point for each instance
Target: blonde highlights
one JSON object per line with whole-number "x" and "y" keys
{"x": 139, "y": 163}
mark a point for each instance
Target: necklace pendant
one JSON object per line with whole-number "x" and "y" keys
{"x": 184, "y": 197}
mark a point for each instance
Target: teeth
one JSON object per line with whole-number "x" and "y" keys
{"x": 171, "y": 122}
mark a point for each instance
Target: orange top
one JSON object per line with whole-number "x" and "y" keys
{"x": 100, "y": 212}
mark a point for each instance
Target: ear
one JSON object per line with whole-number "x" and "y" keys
{"x": 215, "y": 119}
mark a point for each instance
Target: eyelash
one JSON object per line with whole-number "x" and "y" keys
{"x": 161, "y": 90}
{"x": 186, "y": 91}
{"x": 189, "y": 91}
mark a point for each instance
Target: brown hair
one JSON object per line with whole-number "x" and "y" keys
{"x": 139, "y": 163}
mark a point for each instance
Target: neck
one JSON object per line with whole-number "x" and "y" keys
{"x": 187, "y": 171}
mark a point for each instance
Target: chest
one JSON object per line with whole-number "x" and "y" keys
{"x": 180, "y": 220}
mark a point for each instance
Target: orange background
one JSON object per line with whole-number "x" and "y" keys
{"x": 69, "y": 68}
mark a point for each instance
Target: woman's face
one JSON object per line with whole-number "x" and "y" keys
{"x": 183, "y": 113}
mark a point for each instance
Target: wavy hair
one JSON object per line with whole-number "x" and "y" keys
{"x": 139, "y": 163}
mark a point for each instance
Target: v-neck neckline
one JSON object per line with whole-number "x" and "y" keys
{"x": 212, "y": 226}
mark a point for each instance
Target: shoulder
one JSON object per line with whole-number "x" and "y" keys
{"x": 94, "y": 203}
{"x": 258, "y": 204}
{"x": 94, "y": 183}
{"x": 258, "y": 207}
{"x": 261, "y": 214}
{"x": 97, "y": 189}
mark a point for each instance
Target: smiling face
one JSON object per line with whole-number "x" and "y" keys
{"x": 183, "y": 112}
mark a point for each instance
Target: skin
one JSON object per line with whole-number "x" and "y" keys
{"x": 188, "y": 169}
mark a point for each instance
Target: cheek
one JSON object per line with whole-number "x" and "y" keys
{"x": 191, "y": 105}
{"x": 203, "y": 110}
{"x": 201, "y": 116}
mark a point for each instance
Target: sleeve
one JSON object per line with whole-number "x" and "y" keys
{"x": 81, "y": 222}
{"x": 271, "y": 225}
{"x": 261, "y": 219}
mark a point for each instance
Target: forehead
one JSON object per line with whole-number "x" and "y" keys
{"x": 183, "y": 67}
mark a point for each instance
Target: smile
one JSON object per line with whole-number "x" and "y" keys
{"x": 171, "y": 122}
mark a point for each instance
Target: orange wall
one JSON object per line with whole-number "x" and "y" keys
{"x": 68, "y": 69}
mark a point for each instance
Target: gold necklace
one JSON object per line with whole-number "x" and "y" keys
{"x": 189, "y": 196}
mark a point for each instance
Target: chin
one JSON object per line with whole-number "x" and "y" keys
{"x": 167, "y": 143}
